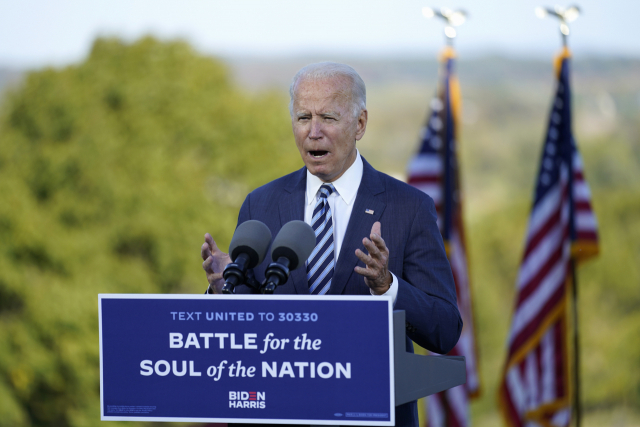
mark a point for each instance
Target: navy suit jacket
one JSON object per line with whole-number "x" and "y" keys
{"x": 416, "y": 254}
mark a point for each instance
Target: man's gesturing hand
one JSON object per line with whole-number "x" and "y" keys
{"x": 376, "y": 274}
{"x": 214, "y": 263}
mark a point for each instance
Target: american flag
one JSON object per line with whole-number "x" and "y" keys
{"x": 435, "y": 171}
{"x": 535, "y": 389}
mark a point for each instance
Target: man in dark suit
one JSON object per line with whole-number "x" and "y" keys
{"x": 375, "y": 235}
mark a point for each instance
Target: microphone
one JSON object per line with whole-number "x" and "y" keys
{"x": 291, "y": 248}
{"x": 247, "y": 249}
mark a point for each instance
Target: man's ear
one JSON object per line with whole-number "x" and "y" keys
{"x": 362, "y": 124}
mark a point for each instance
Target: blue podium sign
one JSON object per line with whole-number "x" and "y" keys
{"x": 241, "y": 358}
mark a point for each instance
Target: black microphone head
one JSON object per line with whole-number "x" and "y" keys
{"x": 295, "y": 241}
{"x": 252, "y": 238}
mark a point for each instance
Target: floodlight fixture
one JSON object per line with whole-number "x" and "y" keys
{"x": 541, "y": 12}
{"x": 565, "y": 15}
{"x": 450, "y": 32}
{"x": 452, "y": 18}
{"x": 572, "y": 13}
{"x": 427, "y": 12}
{"x": 457, "y": 18}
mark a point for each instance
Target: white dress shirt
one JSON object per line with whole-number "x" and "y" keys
{"x": 341, "y": 202}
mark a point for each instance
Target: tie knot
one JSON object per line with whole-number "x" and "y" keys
{"x": 326, "y": 190}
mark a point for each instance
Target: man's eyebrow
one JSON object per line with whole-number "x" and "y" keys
{"x": 330, "y": 113}
{"x": 322, "y": 114}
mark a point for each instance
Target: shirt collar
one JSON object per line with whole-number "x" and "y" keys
{"x": 346, "y": 186}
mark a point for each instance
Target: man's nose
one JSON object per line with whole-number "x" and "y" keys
{"x": 316, "y": 129}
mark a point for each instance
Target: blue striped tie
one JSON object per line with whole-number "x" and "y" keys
{"x": 321, "y": 262}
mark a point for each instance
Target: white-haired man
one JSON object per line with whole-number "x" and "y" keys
{"x": 384, "y": 238}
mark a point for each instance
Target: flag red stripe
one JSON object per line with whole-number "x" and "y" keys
{"x": 552, "y": 221}
{"x": 587, "y": 235}
{"x": 582, "y": 205}
{"x": 452, "y": 419}
{"x": 526, "y": 332}
{"x": 532, "y": 285}
{"x": 424, "y": 179}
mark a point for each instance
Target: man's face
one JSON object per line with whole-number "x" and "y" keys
{"x": 324, "y": 127}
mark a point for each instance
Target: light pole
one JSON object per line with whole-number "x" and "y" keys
{"x": 452, "y": 18}
{"x": 565, "y": 16}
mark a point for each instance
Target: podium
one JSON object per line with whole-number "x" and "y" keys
{"x": 331, "y": 360}
{"x": 418, "y": 376}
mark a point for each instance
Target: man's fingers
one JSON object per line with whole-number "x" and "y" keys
{"x": 376, "y": 228}
{"x": 213, "y": 277}
{"x": 368, "y": 261}
{"x": 379, "y": 241}
{"x": 376, "y": 250}
{"x": 206, "y": 265}
{"x": 212, "y": 243}
{"x": 376, "y": 236}
{"x": 373, "y": 249}
{"x": 214, "y": 262}
{"x": 373, "y": 269}
{"x": 205, "y": 251}
{"x": 376, "y": 273}
{"x": 366, "y": 272}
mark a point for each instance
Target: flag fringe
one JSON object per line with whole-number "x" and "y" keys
{"x": 582, "y": 250}
{"x": 557, "y": 61}
{"x": 540, "y": 414}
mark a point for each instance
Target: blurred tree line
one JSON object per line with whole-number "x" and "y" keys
{"x": 111, "y": 171}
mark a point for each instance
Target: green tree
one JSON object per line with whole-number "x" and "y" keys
{"x": 111, "y": 171}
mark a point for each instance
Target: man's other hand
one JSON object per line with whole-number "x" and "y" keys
{"x": 214, "y": 263}
{"x": 376, "y": 274}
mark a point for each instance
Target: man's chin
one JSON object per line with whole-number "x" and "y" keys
{"x": 320, "y": 172}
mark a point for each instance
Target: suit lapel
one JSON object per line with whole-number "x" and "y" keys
{"x": 370, "y": 197}
{"x": 292, "y": 208}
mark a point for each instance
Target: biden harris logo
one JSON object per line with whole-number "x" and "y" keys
{"x": 247, "y": 399}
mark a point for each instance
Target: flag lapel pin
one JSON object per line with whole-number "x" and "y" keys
{"x": 369, "y": 211}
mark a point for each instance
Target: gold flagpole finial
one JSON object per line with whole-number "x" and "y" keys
{"x": 452, "y": 18}
{"x": 565, "y": 16}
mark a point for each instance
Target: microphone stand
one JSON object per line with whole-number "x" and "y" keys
{"x": 277, "y": 274}
{"x": 234, "y": 273}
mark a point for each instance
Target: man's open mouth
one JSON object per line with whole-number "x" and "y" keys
{"x": 318, "y": 153}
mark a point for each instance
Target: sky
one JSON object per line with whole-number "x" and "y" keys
{"x": 35, "y": 33}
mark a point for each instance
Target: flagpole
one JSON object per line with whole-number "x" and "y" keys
{"x": 576, "y": 346}
{"x": 440, "y": 404}
{"x": 565, "y": 16}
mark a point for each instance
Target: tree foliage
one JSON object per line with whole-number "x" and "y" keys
{"x": 111, "y": 171}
